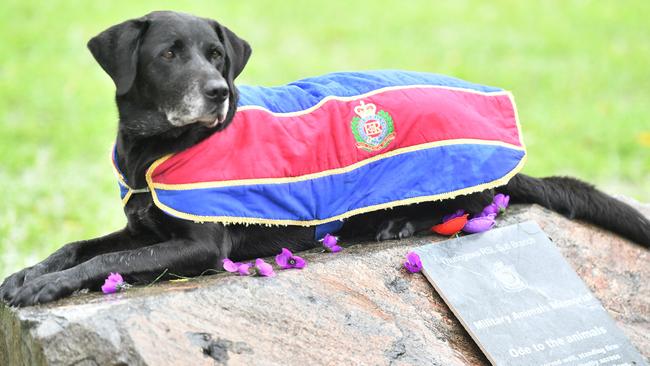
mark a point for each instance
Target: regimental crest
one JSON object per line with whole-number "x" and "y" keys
{"x": 373, "y": 130}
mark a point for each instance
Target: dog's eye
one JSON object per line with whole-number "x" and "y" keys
{"x": 215, "y": 54}
{"x": 169, "y": 54}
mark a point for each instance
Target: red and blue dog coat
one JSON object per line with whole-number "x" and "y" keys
{"x": 322, "y": 149}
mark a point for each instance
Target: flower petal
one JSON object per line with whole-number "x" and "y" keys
{"x": 412, "y": 268}
{"x": 491, "y": 209}
{"x": 501, "y": 200}
{"x": 413, "y": 258}
{"x": 300, "y": 262}
{"x": 479, "y": 224}
{"x": 263, "y": 268}
{"x": 115, "y": 277}
{"x": 452, "y": 226}
{"x": 230, "y": 266}
{"x": 330, "y": 240}
{"x": 413, "y": 263}
{"x": 334, "y": 249}
{"x": 109, "y": 287}
{"x": 282, "y": 259}
{"x": 244, "y": 269}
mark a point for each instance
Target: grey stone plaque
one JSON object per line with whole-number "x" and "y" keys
{"x": 521, "y": 301}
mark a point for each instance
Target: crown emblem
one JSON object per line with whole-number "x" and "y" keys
{"x": 364, "y": 110}
{"x": 373, "y": 130}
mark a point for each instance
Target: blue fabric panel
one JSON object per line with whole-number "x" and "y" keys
{"x": 448, "y": 168}
{"x": 123, "y": 190}
{"x": 306, "y": 93}
{"x": 329, "y": 228}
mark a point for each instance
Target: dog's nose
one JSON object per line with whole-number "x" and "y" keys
{"x": 216, "y": 89}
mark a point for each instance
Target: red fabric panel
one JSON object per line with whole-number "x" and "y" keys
{"x": 259, "y": 144}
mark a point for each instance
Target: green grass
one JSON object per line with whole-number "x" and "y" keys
{"x": 579, "y": 70}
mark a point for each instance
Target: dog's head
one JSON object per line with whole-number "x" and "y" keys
{"x": 172, "y": 70}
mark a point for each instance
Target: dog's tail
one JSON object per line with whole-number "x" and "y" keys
{"x": 576, "y": 199}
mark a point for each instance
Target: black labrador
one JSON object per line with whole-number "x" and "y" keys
{"x": 174, "y": 75}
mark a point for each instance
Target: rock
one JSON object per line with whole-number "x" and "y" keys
{"x": 355, "y": 307}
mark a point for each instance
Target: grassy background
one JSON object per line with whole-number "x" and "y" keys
{"x": 579, "y": 70}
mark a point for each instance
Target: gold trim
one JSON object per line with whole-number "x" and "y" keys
{"x": 366, "y": 95}
{"x": 127, "y": 196}
{"x": 122, "y": 182}
{"x": 120, "y": 177}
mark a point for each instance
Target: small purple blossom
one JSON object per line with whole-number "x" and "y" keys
{"x": 115, "y": 277}
{"x": 113, "y": 283}
{"x": 109, "y": 287}
{"x": 330, "y": 242}
{"x": 242, "y": 268}
{"x": 230, "y": 266}
{"x": 454, "y": 215}
{"x": 491, "y": 209}
{"x": 413, "y": 263}
{"x": 263, "y": 269}
{"x": 287, "y": 260}
{"x": 501, "y": 201}
{"x": 480, "y": 224}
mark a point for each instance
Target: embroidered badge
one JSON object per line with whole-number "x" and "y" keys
{"x": 373, "y": 130}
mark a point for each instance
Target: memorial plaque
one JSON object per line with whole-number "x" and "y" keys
{"x": 521, "y": 301}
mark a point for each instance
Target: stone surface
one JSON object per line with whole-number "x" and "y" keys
{"x": 355, "y": 307}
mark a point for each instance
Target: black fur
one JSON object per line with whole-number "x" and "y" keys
{"x": 579, "y": 200}
{"x": 155, "y": 61}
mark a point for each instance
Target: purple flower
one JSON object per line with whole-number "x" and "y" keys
{"x": 491, "y": 209}
{"x": 501, "y": 200}
{"x": 498, "y": 206}
{"x": 115, "y": 277}
{"x": 263, "y": 268}
{"x": 330, "y": 242}
{"x": 109, "y": 287}
{"x": 413, "y": 263}
{"x": 454, "y": 215}
{"x": 287, "y": 260}
{"x": 230, "y": 266}
{"x": 113, "y": 283}
{"x": 242, "y": 268}
{"x": 480, "y": 224}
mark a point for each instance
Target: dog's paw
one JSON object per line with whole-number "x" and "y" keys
{"x": 44, "y": 289}
{"x": 14, "y": 282}
{"x": 395, "y": 229}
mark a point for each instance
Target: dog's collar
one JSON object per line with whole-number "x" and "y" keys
{"x": 125, "y": 190}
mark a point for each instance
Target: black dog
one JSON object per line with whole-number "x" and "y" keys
{"x": 174, "y": 75}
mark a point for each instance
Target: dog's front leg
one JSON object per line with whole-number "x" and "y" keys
{"x": 179, "y": 256}
{"x": 71, "y": 255}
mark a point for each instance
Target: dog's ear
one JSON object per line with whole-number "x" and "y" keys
{"x": 238, "y": 51}
{"x": 237, "y": 54}
{"x": 116, "y": 51}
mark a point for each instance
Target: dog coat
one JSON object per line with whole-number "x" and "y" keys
{"x": 322, "y": 149}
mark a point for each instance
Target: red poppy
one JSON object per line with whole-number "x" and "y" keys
{"x": 451, "y": 226}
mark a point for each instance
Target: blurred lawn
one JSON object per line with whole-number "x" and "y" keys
{"x": 579, "y": 69}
